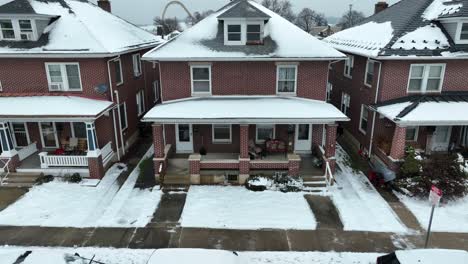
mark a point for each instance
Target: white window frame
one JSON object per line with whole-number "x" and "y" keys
{"x": 26, "y": 130}
{"x": 348, "y": 66}
{"x": 425, "y": 77}
{"x": 195, "y": 93}
{"x": 361, "y": 117}
{"x": 257, "y": 140}
{"x": 329, "y": 92}
{"x": 416, "y": 134}
{"x": 289, "y": 66}
{"x": 156, "y": 91}
{"x": 247, "y": 32}
{"x": 17, "y": 30}
{"x": 119, "y": 61}
{"x": 137, "y": 69}
{"x": 140, "y": 102}
{"x": 458, "y": 32}
{"x": 63, "y": 71}
{"x": 214, "y": 140}
{"x": 123, "y": 114}
{"x": 55, "y": 135}
{"x": 345, "y": 102}
{"x": 367, "y": 72}
{"x": 242, "y": 32}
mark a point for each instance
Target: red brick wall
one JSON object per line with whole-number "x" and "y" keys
{"x": 243, "y": 78}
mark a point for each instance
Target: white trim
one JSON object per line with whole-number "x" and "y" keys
{"x": 286, "y": 66}
{"x": 119, "y": 61}
{"x": 156, "y": 91}
{"x": 194, "y": 93}
{"x": 124, "y": 113}
{"x": 1, "y": 86}
{"x": 12, "y": 131}
{"x": 140, "y": 102}
{"x": 350, "y": 63}
{"x": 64, "y": 85}
{"x": 366, "y": 72}
{"x": 17, "y": 30}
{"x": 257, "y": 140}
{"x": 458, "y": 32}
{"x": 300, "y": 143}
{"x": 214, "y": 140}
{"x": 243, "y": 28}
{"x": 361, "y": 117}
{"x": 72, "y": 130}
{"x": 136, "y": 61}
{"x": 416, "y": 134}
{"x": 182, "y": 146}
{"x": 425, "y": 77}
{"x": 55, "y": 135}
{"x": 204, "y": 59}
{"x": 345, "y": 101}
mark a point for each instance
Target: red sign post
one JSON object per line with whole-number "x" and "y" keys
{"x": 434, "y": 198}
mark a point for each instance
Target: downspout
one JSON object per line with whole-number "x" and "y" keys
{"x": 113, "y": 110}
{"x": 324, "y": 132}
{"x": 375, "y": 112}
{"x": 120, "y": 123}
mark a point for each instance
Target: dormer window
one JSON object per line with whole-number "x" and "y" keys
{"x": 26, "y": 30}
{"x": 464, "y": 32}
{"x": 254, "y": 33}
{"x": 7, "y": 29}
{"x": 243, "y": 32}
{"x": 234, "y": 33}
{"x": 17, "y": 29}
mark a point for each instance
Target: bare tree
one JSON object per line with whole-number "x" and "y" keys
{"x": 281, "y": 7}
{"x": 168, "y": 25}
{"x": 197, "y": 17}
{"x": 351, "y": 18}
{"x": 308, "y": 18}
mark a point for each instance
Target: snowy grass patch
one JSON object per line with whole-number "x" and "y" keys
{"x": 238, "y": 208}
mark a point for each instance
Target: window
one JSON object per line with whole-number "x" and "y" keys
{"x": 369, "y": 78}
{"x": 234, "y": 33}
{"x": 20, "y": 134}
{"x": 348, "y": 67}
{"x": 26, "y": 30}
{"x": 254, "y": 33}
{"x": 140, "y": 101}
{"x": 201, "y": 79}
{"x": 136, "y": 65}
{"x": 264, "y": 132}
{"x": 222, "y": 133}
{"x": 78, "y": 129}
{"x": 412, "y": 133}
{"x": 123, "y": 116}
{"x": 287, "y": 78}
{"x": 63, "y": 76}
{"x": 364, "y": 117}
{"x": 118, "y": 72}
{"x": 7, "y": 29}
{"x": 49, "y": 135}
{"x": 426, "y": 78}
{"x": 156, "y": 91}
{"x": 464, "y": 31}
{"x": 345, "y": 101}
{"x": 329, "y": 91}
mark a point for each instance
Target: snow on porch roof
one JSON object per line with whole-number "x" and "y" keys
{"x": 51, "y": 107}
{"x": 239, "y": 109}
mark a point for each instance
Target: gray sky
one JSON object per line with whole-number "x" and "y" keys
{"x": 143, "y": 11}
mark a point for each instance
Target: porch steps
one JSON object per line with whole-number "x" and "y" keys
{"x": 20, "y": 180}
{"x": 315, "y": 183}
{"x": 176, "y": 180}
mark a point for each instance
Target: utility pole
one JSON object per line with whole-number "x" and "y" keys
{"x": 351, "y": 22}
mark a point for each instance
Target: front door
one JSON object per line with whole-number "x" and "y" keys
{"x": 49, "y": 135}
{"x": 20, "y": 134}
{"x": 303, "y": 139}
{"x": 441, "y": 138}
{"x": 184, "y": 138}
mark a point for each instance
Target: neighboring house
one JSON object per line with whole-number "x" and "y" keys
{"x": 153, "y": 29}
{"x": 248, "y": 88}
{"x": 72, "y": 85}
{"x": 324, "y": 31}
{"x": 405, "y": 80}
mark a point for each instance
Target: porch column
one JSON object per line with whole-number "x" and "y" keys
{"x": 244, "y": 141}
{"x": 8, "y": 149}
{"x": 330, "y": 145}
{"x": 397, "y": 151}
{"x": 159, "y": 161}
{"x": 95, "y": 163}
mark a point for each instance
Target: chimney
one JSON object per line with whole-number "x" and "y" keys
{"x": 380, "y": 6}
{"x": 104, "y": 4}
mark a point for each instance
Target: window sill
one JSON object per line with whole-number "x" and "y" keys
{"x": 423, "y": 92}
{"x": 201, "y": 94}
{"x": 362, "y": 131}
{"x": 221, "y": 142}
{"x": 368, "y": 85}
{"x": 348, "y": 76}
{"x": 119, "y": 84}
{"x": 286, "y": 94}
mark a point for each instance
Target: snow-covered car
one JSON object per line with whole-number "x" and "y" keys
{"x": 425, "y": 256}
{"x": 194, "y": 256}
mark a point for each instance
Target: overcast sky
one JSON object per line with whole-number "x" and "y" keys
{"x": 143, "y": 11}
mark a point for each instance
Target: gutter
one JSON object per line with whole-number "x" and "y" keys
{"x": 204, "y": 59}
{"x": 371, "y": 141}
{"x": 113, "y": 112}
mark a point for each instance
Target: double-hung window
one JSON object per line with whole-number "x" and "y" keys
{"x": 287, "y": 79}
{"x": 234, "y": 33}
{"x": 26, "y": 30}
{"x": 345, "y": 102}
{"x": 348, "y": 66}
{"x": 123, "y": 116}
{"x": 254, "y": 33}
{"x": 118, "y": 72}
{"x": 363, "y": 122}
{"x": 264, "y": 132}
{"x": 369, "y": 78}
{"x": 63, "y": 76}
{"x": 201, "y": 79}
{"x": 463, "y": 32}
{"x": 426, "y": 77}
{"x": 156, "y": 90}
{"x": 222, "y": 133}
{"x": 7, "y": 29}
{"x": 140, "y": 102}
{"x": 412, "y": 133}
{"x": 136, "y": 65}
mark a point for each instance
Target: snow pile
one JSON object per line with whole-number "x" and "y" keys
{"x": 367, "y": 39}
{"x": 360, "y": 206}
{"x": 439, "y": 8}
{"x": 427, "y": 37}
{"x": 239, "y": 208}
{"x": 450, "y": 217}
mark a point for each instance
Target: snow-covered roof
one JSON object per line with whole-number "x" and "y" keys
{"x": 239, "y": 109}
{"x": 76, "y": 27}
{"x": 205, "y": 40}
{"x": 59, "y": 107}
{"x": 430, "y": 110}
{"x": 407, "y": 28}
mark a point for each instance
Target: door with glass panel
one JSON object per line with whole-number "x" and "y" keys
{"x": 441, "y": 138}
{"x": 49, "y": 135}
{"x": 184, "y": 138}
{"x": 20, "y": 134}
{"x": 303, "y": 139}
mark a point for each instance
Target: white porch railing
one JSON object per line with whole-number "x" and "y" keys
{"x": 329, "y": 175}
{"x": 62, "y": 161}
{"x": 25, "y": 152}
{"x": 107, "y": 153}
{"x": 5, "y": 170}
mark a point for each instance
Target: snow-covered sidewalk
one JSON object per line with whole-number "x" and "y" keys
{"x": 238, "y": 208}
{"x": 62, "y": 204}
{"x": 359, "y": 204}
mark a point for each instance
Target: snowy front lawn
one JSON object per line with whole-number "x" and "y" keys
{"x": 238, "y": 208}
{"x": 62, "y": 204}
{"x": 359, "y": 204}
{"x": 450, "y": 217}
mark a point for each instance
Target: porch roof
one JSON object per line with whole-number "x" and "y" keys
{"x": 448, "y": 108}
{"x": 54, "y": 108}
{"x": 245, "y": 109}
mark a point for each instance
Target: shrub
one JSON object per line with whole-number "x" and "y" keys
{"x": 75, "y": 178}
{"x": 411, "y": 166}
{"x": 258, "y": 183}
{"x": 44, "y": 179}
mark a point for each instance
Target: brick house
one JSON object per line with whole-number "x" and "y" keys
{"x": 72, "y": 86}
{"x": 404, "y": 82}
{"x": 243, "y": 91}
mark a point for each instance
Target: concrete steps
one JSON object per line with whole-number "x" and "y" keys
{"x": 315, "y": 183}
{"x": 20, "y": 180}
{"x": 176, "y": 180}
